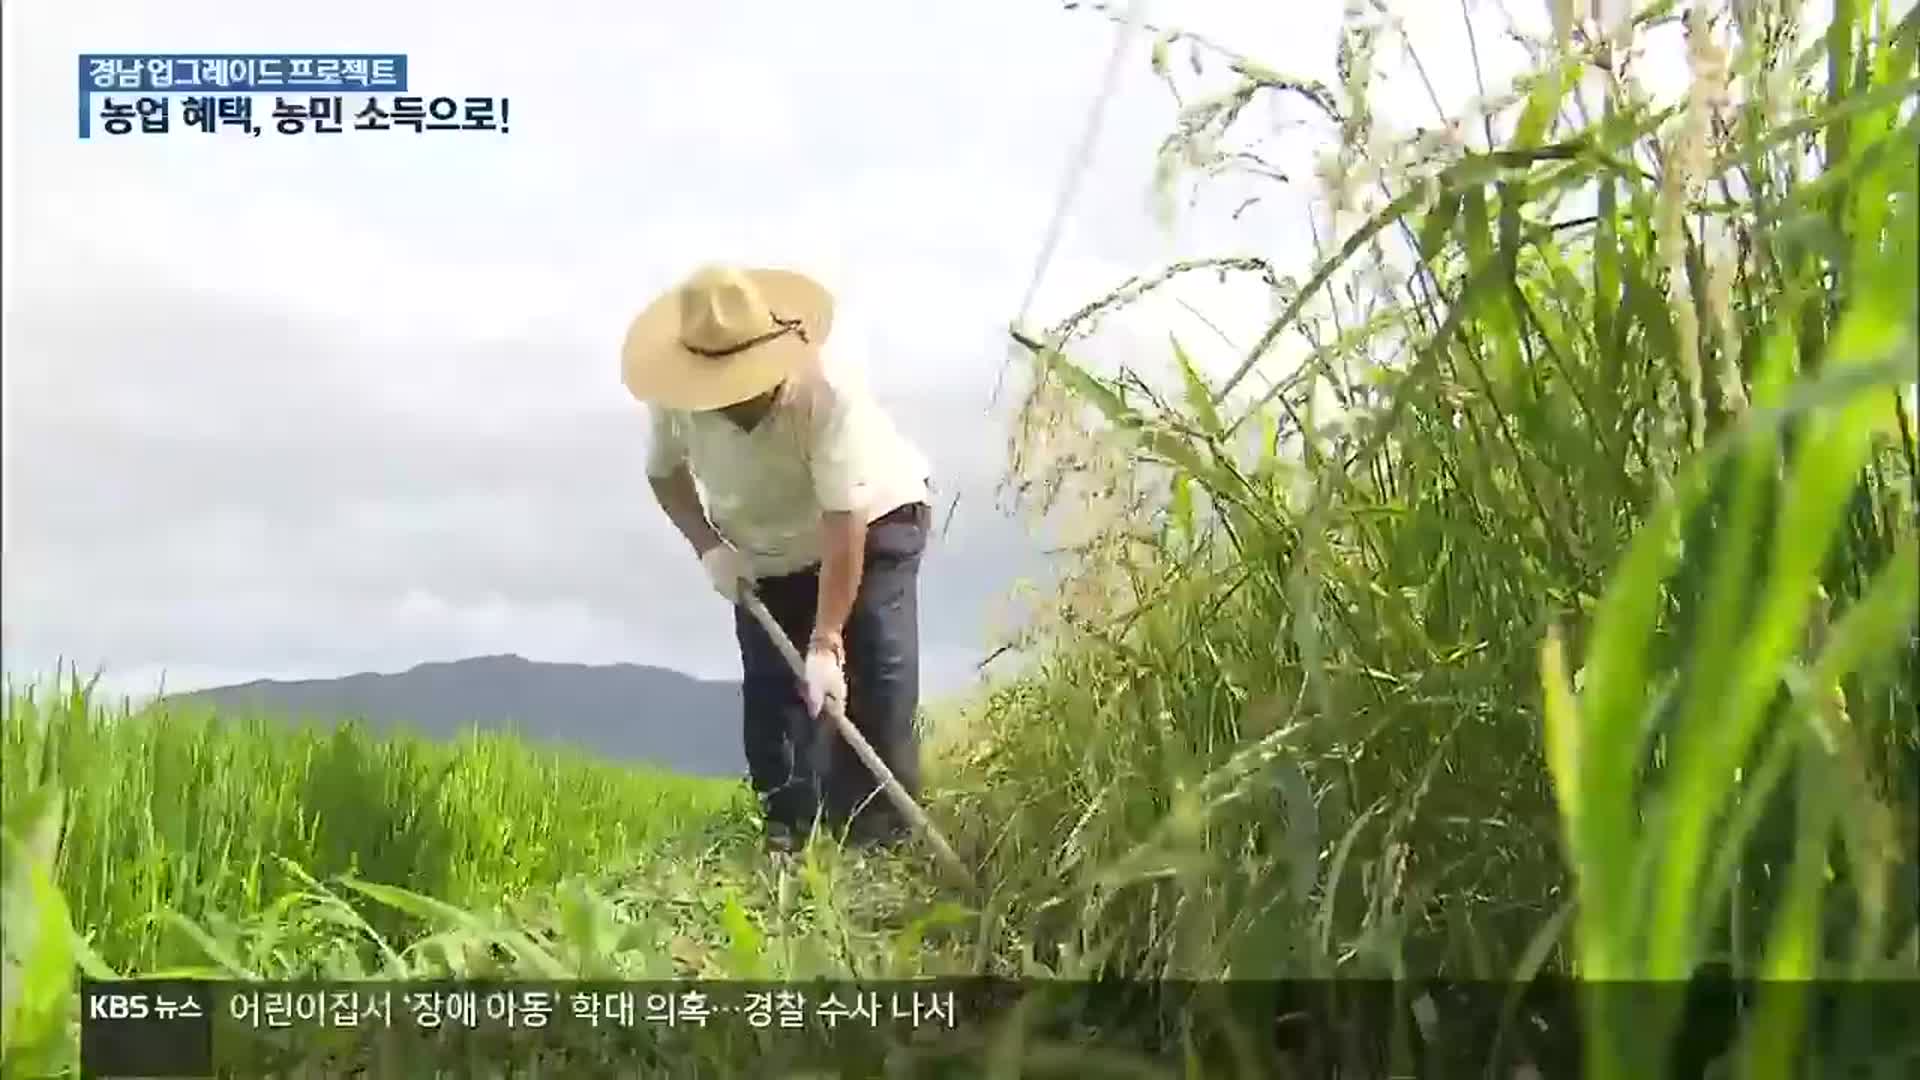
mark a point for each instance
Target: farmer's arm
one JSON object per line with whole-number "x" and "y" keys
{"x": 681, "y": 500}
{"x": 843, "y": 545}
{"x": 842, "y": 492}
{"x": 673, "y": 484}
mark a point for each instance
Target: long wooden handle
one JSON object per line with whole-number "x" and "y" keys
{"x": 834, "y": 712}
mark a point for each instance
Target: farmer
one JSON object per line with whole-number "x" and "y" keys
{"x": 813, "y": 501}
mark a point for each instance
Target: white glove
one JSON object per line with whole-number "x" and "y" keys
{"x": 728, "y": 571}
{"x": 825, "y": 680}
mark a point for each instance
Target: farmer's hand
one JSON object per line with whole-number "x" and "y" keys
{"x": 728, "y": 571}
{"x": 825, "y": 678}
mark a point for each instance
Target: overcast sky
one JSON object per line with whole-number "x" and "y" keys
{"x": 292, "y": 407}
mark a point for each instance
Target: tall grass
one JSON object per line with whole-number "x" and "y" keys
{"x": 176, "y": 817}
{"x": 1577, "y": 634}
{"x": 344, "y": 855}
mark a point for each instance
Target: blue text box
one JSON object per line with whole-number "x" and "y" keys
{"x": 235, "y": 73}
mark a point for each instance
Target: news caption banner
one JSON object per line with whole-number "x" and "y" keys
{"x": 312, "y": 93}
{"x": 153, "y": 1028}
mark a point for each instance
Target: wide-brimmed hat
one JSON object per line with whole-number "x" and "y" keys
{"x": 723, "y": 336}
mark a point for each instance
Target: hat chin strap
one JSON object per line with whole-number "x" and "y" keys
{"x": 782, "y": 327}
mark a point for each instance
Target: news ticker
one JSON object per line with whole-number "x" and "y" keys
{"x": 154, "y": 1028}
{"x": 195, "y": 1028}
{"x": 317, "y": 93}
{"x": 428, "y": 1006}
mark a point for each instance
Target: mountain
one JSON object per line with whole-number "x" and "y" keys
{"x": 624, "y": 712}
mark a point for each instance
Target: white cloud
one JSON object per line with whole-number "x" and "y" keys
{"x": 299, "y": 406}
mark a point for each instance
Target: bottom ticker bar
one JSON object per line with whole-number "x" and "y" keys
{"x": 177, "y": 1029}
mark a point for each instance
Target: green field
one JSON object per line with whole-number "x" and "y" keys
{"x": 1557, "y": 617}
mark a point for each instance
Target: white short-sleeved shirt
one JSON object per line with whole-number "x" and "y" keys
{"x": 826, "y": 445}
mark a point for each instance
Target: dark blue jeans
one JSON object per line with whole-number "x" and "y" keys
{"x": 800, "y": 766}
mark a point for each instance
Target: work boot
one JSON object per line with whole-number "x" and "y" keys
{"x": 784, "y": 839}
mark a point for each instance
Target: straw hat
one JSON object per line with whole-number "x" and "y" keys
{"x": 724, "y": 335}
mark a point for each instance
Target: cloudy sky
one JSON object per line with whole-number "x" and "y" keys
{"x": 307, "y": 406}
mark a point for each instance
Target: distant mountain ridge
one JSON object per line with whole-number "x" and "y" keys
{"x": 623, "y": 712}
